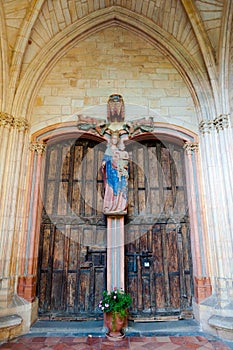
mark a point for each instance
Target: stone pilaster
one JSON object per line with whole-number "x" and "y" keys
{"x": 13, "y": 136}
{"x": 27, "y": 277}
{"x": 216, "y": 144}
{"x": 202, "y": 284}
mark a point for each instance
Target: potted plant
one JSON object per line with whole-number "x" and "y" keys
{"x": 115, "y": 306}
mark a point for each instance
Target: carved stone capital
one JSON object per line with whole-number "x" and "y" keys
{"x": 206, "y": 126}
{"x": 222, "y": 122}
{"x": 6, "y": 119}
{"x": 38, "y": 147}
{"x": 190, "y": 147}
{"x": 20, "y": 124}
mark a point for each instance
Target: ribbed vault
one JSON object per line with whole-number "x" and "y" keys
{"x": 194, "y": 35}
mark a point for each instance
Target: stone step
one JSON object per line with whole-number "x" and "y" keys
{"x": 95, "y": 328}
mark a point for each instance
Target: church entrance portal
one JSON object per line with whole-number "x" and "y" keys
{"x": 72, "y": 254}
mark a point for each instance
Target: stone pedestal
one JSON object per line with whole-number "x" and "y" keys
{"x": 115, "y": 252}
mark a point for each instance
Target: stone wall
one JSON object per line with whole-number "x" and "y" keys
{"x": 114, "y": 61}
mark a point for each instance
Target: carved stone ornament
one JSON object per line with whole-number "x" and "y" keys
{"x": 220, "y": 123}
{"x": 206, "y": 126}
{"x": 190, "y": 147}
{"x": 38, "y": 147}
{"x": 21, "y": 124}
{"x": 8, "y": 120}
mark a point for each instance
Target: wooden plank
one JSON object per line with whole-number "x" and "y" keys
{"x": 49, "y": 199}
{"x": 50, "y": 269}
{"x": 146, "y": 174}
{"x": 58, "y": 249}
{"x": 173, "y": 167}
{"x": 76, "y": 198}
{"x": 55, "y": 193}
{"x": 165, "y": 263}
{"x": 158, "y": 266}
{"x": 52, "y": 163}
{"x": 99, "y": 286}
{"x": 146, "y": 292}
{"x": 44, "y": 253}
{"x": 135, "y": 182}
{"x": 180, "y": 207}
{"x": 160, "y": 178}
{"x": 100, "y": 238}
{"x": 77, "y": 163}
{"x": 85, "y": 278}
{"x": 88, "y": 199}
{"x": 57, "y": 291}
{"x": 62, "y": 203}
{"x": 153, "y": 167}
{"x": 65, "y": 162}
{"x": 71, "y": 291}
{"x": 166, "y": 169}
{"x": 140, "y": 167}
{"x": 70, "y": 181}
{"x": 83, "y": 180}
{"x": 43, "y": 301}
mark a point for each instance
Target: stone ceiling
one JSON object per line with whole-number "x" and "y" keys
{"x": 194, "y": 33}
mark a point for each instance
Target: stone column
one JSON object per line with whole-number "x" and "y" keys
{"x": 115, "y": 252}
{"x": 202, "y": 283}
{"x": 216, "y": 154}
{"x": 13, "y": 134}
{"x": 29, "y": 247}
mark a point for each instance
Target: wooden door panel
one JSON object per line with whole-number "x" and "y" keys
{"x": 158, "y": 226}
{"x": 157, "y": 180}
{"x": 155, "y": 276}
{"x": 72, "y": 276}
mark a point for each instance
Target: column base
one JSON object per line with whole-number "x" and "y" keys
{"x": 202, "y": 288}
{"x": 214, "y": 319}
{"x": 27, "y": 287}
{"x": 17, "y": 318}
{"x": 223, "y": 326}
{"x": 10, "y": 326}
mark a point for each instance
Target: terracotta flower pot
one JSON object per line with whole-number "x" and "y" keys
{"x": 115, "y": 325}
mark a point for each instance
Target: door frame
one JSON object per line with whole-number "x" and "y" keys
{"x": 28, "y": 275}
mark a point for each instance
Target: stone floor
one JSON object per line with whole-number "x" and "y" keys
{"x": 90, "y": 335}
{"x": 102, "y": 343}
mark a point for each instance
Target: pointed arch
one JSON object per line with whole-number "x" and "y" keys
{"x": 38, "y": 69}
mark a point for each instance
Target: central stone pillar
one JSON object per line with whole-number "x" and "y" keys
{"x": 115, "y": 252}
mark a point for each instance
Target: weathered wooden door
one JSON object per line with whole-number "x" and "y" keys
{"x": 72, "y": 253}
{"x": 72, "y": 256}
{"x": 158, "y": 256}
